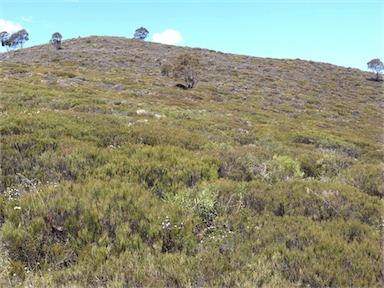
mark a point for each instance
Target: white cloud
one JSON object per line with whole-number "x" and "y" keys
{"x": 27, "y": 19}
{"x": 9, "y": 26}
{"x": 168, "y": 36}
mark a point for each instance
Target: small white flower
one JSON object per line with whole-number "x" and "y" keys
{"x": 17, "y": 208}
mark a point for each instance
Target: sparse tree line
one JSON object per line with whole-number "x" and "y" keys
{"x": 17, "y": 39}
{"x": 186, "y": 66}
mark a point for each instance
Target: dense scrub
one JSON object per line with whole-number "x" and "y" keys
{"x": 267, "y": 173}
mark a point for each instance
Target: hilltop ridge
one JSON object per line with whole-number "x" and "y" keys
{"x": 327, "y": 91}
{"x": 120, "y": 49}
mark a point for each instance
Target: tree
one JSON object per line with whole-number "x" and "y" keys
{"x": 4, "y": 36}
{"x": 376, "y": 66}
{"x": 141, "y": 33}
{"x": 187, "y": 68}
{"x": 16, "y": 40}
{"x": 56, "y": 40}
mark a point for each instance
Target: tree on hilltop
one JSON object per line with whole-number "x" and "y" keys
{"x": 141, "y": 33}
{"x": 4, "y": 36}
{"x": 56, "y": 40}
{"x": 376, "y": 66}
{"x": 16, "y": 40}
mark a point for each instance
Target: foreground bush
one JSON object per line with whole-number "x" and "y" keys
{"x": 225, "y": 233}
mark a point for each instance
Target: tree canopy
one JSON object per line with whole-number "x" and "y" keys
{"x": 187, "y": 67}
{"x": 56, "y": 40}
{"x": 376, "y": 66}
{"x": 3, "y": 37}
{"x": 141, "y": 33}
{"x": 16, "y": 40}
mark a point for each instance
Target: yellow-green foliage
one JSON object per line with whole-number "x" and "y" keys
{"x": 267, "y": 174}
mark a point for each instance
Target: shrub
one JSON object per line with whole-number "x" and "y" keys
{"x": 315, "y": 200}
{"x": 309, "y": 163}
{"x": 158, "y": 135}
{"x": 282, "y": 168}
{"x": 199, "y": 200}
{"x": 161, "y": 170}
{"x": 20, "y": 154}
{"x": 187, "y": 67}
{"x": 329, "y": 166}
{"x": 305, "y": 252}
{"x": 366, "y": 177}
{"x": 329, "y": 143}
{"x": 166, "y": 69}
{"x": 77, "y": 218}
{"x": 243, "y": 163}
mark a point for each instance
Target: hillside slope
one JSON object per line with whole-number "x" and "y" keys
{"x": 268, "y": 173}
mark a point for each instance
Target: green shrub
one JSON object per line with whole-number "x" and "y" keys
{"x": 243, "y": 163}
{"x": 316, "y": 200}
{"x": 78, "y": 217}
{"x": 65, "y": 74}
{"x": 154, "y": 134}
{"x": 331, "y": 143}
{"x": 161, "y": 169}
{"x": 42, "y": 159}
{"x": 306, "y": 252}
{"x": 282, "y": 168}
{"x": 366, "y": 177}
{"x": 20, "y": 154}
{"x": 199, "y": 200}
{"x": 330, "y": 166}
{"x": 230, "y": 194}
{"x": 309, "y": 163}
{"x": 73, "y": 160}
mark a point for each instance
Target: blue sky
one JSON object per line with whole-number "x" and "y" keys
{"x": 345, "y": 33}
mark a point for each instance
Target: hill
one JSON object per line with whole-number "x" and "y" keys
{"x": 268, "y": 173}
